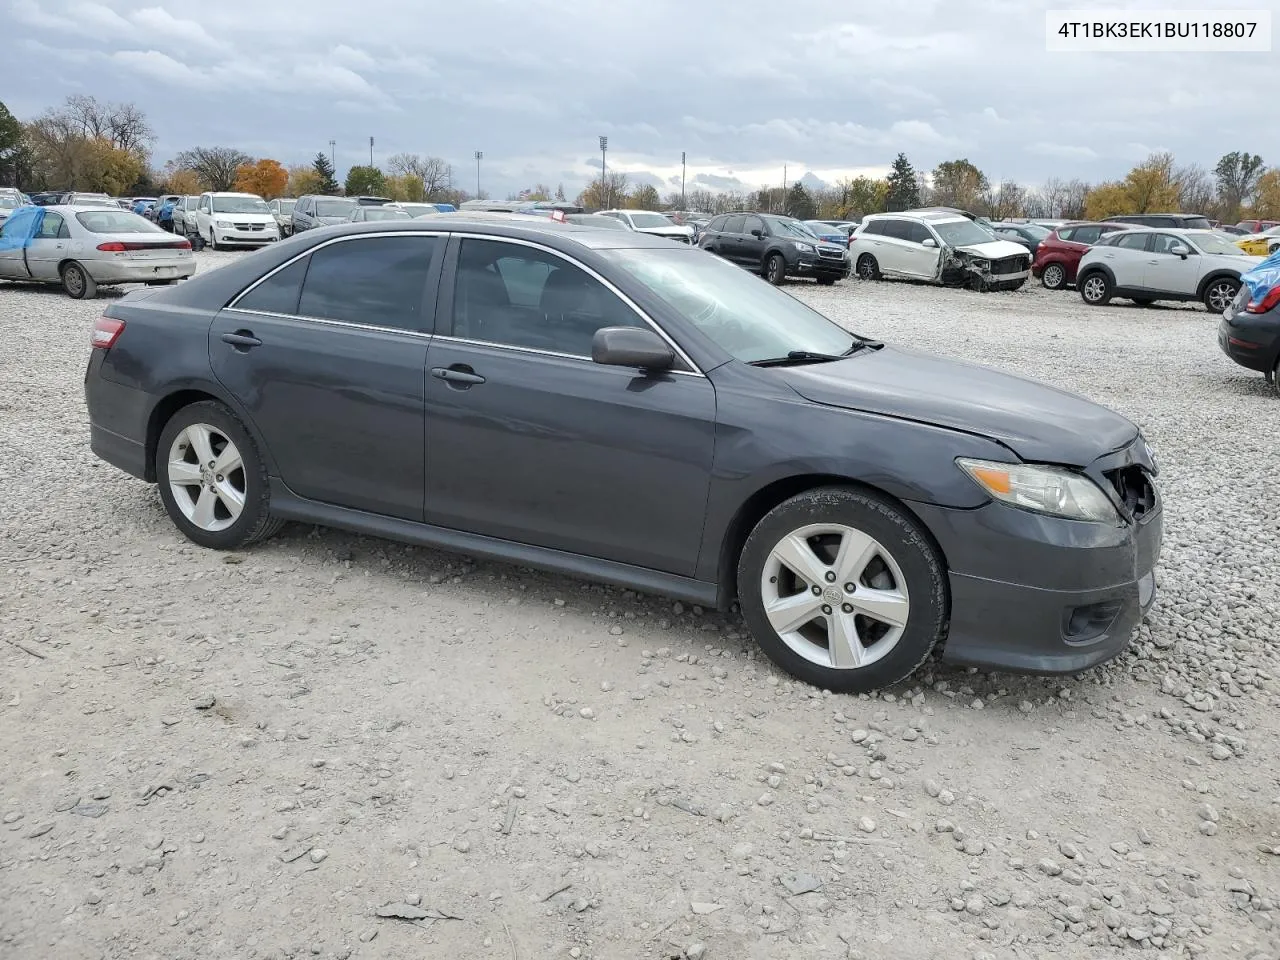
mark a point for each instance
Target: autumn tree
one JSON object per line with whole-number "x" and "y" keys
{"x": 216, "y": 167}
{"x": 325, "y": 175}
{"x": 799, "y": 203}
{"x": 436, "y": 174}
{"x": 904, "y": 190}
{"x": 958, "y": 183}
{"x": 182, "y": 182}
{"x": 1196, "y": 192}
{"x": 365, "y": 180}
{"x": 304, "y": 180}
{"x": 1107, "y": 200}
{"x": 404, "y": 187}
{"x": 1266, "y": 195}
{"x": 866, "y": 195}
{"x": 644, "y": 197}
{"x": 1003, "y": 200}
{"x": 1150, "y": 187}
{"x": 265, "y": 177}
{"x": 1237, "y": 174}
{"x": 607, "y": 194}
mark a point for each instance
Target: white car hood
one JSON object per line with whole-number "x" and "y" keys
{"x": 995, "y": 249}
{"x": 246, "y": 217}
{"x": 673, "y": 231}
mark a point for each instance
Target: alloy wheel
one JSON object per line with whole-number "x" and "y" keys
{"x": 1094, "y": 289}
{"x": 1220, "y": 296}
{"x": 206, "y": 477}
{"x": 1054, "y": 276}
{"x": 835, "y": 596}
{"x": 74, "y": 280}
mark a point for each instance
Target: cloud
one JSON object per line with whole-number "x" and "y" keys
{"x": 161, "y": 21}
{"x": 161, "y": 66}
{"x": 1063, "y": 151}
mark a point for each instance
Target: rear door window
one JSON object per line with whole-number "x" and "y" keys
{"x": 373, "y": 281}
{"x": 1132, "y": 241}
{"x": 898, "y": 229}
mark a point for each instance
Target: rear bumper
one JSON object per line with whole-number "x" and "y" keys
{"x": 1036, "y": 594}
{"x": 1253, "y": 341}
{"x": 118, "y": 417}
{"x": 140, "y": 270}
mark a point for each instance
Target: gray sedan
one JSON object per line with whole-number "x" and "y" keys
{"x": 370, "y": 214}
{"x": 615, "y": 406}
{"x": 85, "y": 247}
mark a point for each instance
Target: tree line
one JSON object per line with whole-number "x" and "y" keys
{"x": 92, "y": 145}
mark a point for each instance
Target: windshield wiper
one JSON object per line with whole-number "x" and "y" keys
{"x": 810, "y": 356}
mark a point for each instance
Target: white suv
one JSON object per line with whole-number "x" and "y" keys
{"x": 1146, "y": 264}
{"x": 234, "y": 219}
{"x": 938, "y": 246}
{"x": 648, "y": 221}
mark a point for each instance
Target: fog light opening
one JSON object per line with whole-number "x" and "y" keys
{"x": 1090, "y": 622}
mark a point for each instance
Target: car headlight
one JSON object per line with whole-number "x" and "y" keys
{"x": 802, "y": 246}
{"x": 222, "y": 224}
{"x": 1052, "y": 490}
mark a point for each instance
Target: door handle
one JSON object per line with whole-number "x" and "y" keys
{"x": 241, "y": 339}
{"x": 459, "y": 374}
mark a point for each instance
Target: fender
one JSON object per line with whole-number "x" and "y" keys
{"x": 1218, "y": 274}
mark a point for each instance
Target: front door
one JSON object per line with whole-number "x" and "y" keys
{"x": 327, "y": 358}
{"x": 528, "y": 440}
{"x": 13, "y": 243}
{"x": 1168, "y": 272}
{"x": 49, "y": 247}
{"x": 751, "y": 251}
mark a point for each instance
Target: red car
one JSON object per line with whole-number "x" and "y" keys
{"x": 1059, "y": 253}
{"x": 1257, "y": 226}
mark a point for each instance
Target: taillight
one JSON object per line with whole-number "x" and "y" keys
{"x": 106, "y": 331}
{"x": 113, "y": 247}
{"x": 1268, "y": 302}
{"x": 117, "y": 246}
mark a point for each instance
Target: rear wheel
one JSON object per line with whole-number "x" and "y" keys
{"x": 1275, "y": 378}
{"x": 1095, "y": 289}
{"x": 775, "y": 269}
{"x": 1219, "y": 294}
{"x": 842, "y": 589}
{"x": 1054, "y": 276}
{"x": 868, "y": 268}
{"x": 77, "y": 282}
{"x": 213, "y": 482}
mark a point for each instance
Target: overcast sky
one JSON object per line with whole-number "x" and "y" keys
{"x": 743, "y": 87}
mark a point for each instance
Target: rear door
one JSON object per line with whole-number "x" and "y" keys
{"x": 530, "y": 441}
{"x": 1127, "y": 258}
{"x": 730, "y": 243}
{"x": 893, "y": 252}
{"x": 327, "y": 357}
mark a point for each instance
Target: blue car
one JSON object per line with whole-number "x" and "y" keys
{"x": 830, "y": 231}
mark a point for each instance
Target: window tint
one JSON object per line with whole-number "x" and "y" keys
{"x": 1067, "y": 233}
{"x": 279, "y": 292}
{"x": 898, "y": 229}
{"x": 1086, "y": 234}
{"x": 734, "y": 224}
{"x": 522, "y": 297}
{"x": 1132, "y": 241}
{"x": 378, "y": 281}
{"x": 873, "y": 228}
{"x": 754, "y": 223}
{"x": 918, "y": 233}
{"x": 716, "y": 225}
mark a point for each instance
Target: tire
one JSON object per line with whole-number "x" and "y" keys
{"x": 1095, "y": 289}
{"x": 77, "y": 282}
{"x": 775, "y": 269}
{"x": 201, "y": 502}
{"x": 1143, "y": 301}
{"x": 213, "y": 239}
{"x": 868, "y": 268}
{"x": 1054, "y": 277}
{"x": 1275, "y": 378}
{"x": 1219, "y": 294}
{"x": 826, "y": 281}
{"x": 896, "y": 567}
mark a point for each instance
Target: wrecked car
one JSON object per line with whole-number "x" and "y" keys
{"x": 938, "y": 247}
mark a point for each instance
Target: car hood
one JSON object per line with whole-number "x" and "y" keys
{"x": 994, "y": 249}
{"x": 1038, "y": 422}
{"x": 330, "y": 221}
{"x": 1243, "y": 262}
{"x": 672, "y": 231}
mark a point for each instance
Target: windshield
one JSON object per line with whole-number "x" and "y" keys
{"x": 385, "y": 213}
{"x": 594, "y": 220}
{"x": 651, "y": 220}
{"x": 749, "y": 319}
{"x": 791, "y": 228}
{"x": 287, "y": 205}
{"x": 115, "y": 221}
{"x": 1197, "y": 223}
{"x": 418, "y": 209}
{"x": 334, "y": 208}
{"x": 1217, "y": 243}
{"x": 8, "y": 203}
{"x": 960, "y": 233}
{"x": 239, "y": 205}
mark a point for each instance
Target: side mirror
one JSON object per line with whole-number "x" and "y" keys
{"x": 631, "y": 347}
{"x": 928, "y": 242}
{"x": 758, "y": 233}
{"x": 1179, "y": 250}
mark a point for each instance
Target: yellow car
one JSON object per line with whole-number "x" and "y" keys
{"x": 1261, "y": 244}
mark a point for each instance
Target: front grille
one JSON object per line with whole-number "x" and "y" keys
{"x": 1137, "y": 492}
{"x": 1009, "y": 265}
{"x": 250, "y": 226}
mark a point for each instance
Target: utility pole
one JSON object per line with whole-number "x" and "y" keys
{"x": 604, "y": 182}
{"x": 479, "y": 157}
{"x": 371, "y": 151}
{"x": 682, "y": 173}
{"x": 332, "y": 160}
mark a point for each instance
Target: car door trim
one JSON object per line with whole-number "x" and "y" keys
{"x": 693, "y": 371}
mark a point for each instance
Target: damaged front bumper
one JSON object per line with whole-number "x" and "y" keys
{"x": 961, "y": 268}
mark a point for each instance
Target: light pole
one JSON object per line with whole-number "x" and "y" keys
{"x": 682, "y": 172}
{"x": 479, "y": 157}
{"x": 371, "y": 151}
{"x": 604, "y": 183}
{"x": 332, "y": 160}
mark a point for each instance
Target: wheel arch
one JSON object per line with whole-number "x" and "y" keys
{"x": 754, "y": 508}
{"x": 1220, "y": 274}
{"x": 184, "y": 396}
{"x": 1083, "y": 271}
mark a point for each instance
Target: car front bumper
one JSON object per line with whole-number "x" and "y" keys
{"x": 1252, "y": 340}
{"x": 820, "y": 267}
{"x": 1038, "y": 594}
{"x": 247, "y": 238}
{"x": 140, "y": 269}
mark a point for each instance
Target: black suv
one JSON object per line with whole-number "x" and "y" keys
{"x": 1179, "y": 221}
{"x": 777, "y": 247}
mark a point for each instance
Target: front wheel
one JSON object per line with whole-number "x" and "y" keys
{"x": 1219, "y": 294}
{"x": 868, "y": 268}
{"x": 843, "y": 589}
{"x": 775, "y": 269}
{"x": 1095, "y": 289}
{"x": 213, "y": 482}
{"x": 1054, "y": 276}
{"x": 77, "y": 282}
{"x": 826, "y": 281}
{"x": 213, "y": 239}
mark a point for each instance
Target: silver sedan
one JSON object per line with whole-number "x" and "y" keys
{"x": 83, "y": 247}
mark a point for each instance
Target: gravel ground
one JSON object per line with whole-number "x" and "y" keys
{"x": 332, "y": 746}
